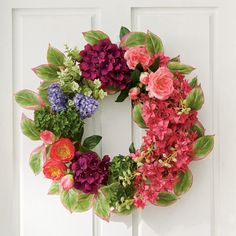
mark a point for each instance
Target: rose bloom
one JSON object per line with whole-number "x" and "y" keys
{"x": 54, "y": 170}
{"x": 133, "y": 93}
{"x": 160, "y": 83}
{"x": 62, "y": 150}
{"x": 47, "y": 137}
{"x": 137, "y": 55}
{"x": 144, "y": 78}
{"x": 67, "y": 182}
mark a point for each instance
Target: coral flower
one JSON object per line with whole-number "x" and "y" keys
{"x": 160, "y": 83}
{"x": 63, "y": 150}
{"x": 54, "y": 170}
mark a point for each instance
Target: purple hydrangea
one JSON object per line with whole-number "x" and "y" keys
{"x": 90, "y": 172}
{"x": 56, "y": 98}
{"x": 105, "y": 61}
{"x": 85, "y": 105}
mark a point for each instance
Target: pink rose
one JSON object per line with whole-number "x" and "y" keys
{"x": 133, "y": 93}
{"x": 137, "y": 55}
{"x": 160, "y": 83}
{"x": 67, "y": 182}
{"x": 144, "y": 78}
{"x": 47, "y": 137}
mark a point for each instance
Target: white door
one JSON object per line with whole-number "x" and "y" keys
{"x": 201, "y": 31}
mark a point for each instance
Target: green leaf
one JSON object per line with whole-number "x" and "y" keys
{"x": 55, "y": 57}
{"x": 69, "y": 199}
{"x": 124, "y": 94}
{"x": 195, "y": 99}
{"x": 84, "y": 202}
{"x": 166, "y": 199}
{"x": 28, "y": 128}
{"x": 93, "y": 37}
{"x": 155, "y": 65}
{"x": 133, "y": 39}
{"x": 92, "y": 141}
{"x": 197, "y": 126}
{"x": 135, "y": 75}
{"x": 101, "y": 206}
{"x": 193, "y": 82}
{"x": 181, "y": 68}
{"x": 137, "y": 116}
{"x": 54, "y": 188}
{"x": 132, "y": 148}
{"x": 47, "y": 72}
{"x": 36, "y": 158}
{"x": 154, "y": 43}
{"x": 29, "y": 99}
{"x": 203, "y": 146}
{"x": 175, "y": 59}
{"x": 123, "y": 31}
{"x": 184, "y": 182}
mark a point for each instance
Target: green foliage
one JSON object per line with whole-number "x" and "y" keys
{"x": 132, "y": 148}
{"x": 92, "y": 141}
{"x": 28, "y": 99}
{"x": 181, "y": 68}
{"x": 65, "y": 124}
{"x": 184, "y": 182}
{"x": 120, "y": 189}
{"x": 195, "y": 99}
{"x": 54, "y": 188}
{"x": 203, "y": 146}
{"x": 198, "y": 127}
{"x": 84, "y": 202}
{"x": 101, "y": 206}
{"x": 137, "y": 116}
{"x": 154, "y": 43}
{"x": 36, "y": 158}
{"x": 123, "y": 31}
{"x": 193, "y": 82}
{"x": 47, "y": 72}
{"x": 93, "y": 36}
{"x": 55, "y": 56}
{"x": 70, "y": 199}
{"x": 166, "y": 199}
{"x": 133, "y": 39}
{"x": 29, "y": 128}
{"x": 73, "y": 53}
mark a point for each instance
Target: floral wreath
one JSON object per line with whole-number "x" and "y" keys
{"x": 164, "y": 103}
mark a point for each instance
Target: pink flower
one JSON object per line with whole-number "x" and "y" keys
{"x": 133, "y": 93}
{"x": 144, "y": 78}
{"x": 47, "y": 137}
{"x": 161, "y": 129}
{"x": 139, "y": 203}
{"x": 160, "y": 83}
{"x": 137, "y": 55}
{"x": 67, "y": 182}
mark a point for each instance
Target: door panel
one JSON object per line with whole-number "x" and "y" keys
{"x": 201, "y": 31}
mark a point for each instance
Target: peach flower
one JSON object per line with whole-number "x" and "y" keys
{"x": 160, "y": 83}
{"x": 137, "y": 55}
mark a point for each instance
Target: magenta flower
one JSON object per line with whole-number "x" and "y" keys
{"x": 105, "y": 61}
{"x": 89, "y": 171}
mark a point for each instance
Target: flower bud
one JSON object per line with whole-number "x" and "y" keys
{"x": 47, "y": 137}
{"x": 67, "y": 182}
{"x": 133, "y": 93}
{"x": 144, "y": 78}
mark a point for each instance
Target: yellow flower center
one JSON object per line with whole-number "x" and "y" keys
{"x": 63, "y": 151}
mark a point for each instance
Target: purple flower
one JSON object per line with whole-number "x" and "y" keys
{"x": 56, "y": 98}
{"x": 105, "y": 61}
{"x": 86, "y": 106}
{"x": 89, "y": 171}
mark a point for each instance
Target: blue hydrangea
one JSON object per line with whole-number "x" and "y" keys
{"x": 85, "y": 105}
{"x": 56, "y": 98}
